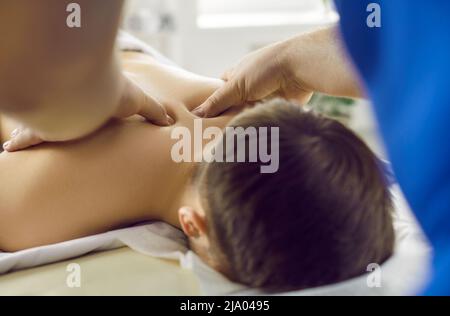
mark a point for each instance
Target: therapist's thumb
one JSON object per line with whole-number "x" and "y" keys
{"x": 220, "y": 101}
{"x": 135, "y": 100}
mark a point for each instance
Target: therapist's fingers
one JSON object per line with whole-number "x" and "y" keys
{"x": 136, "y": 101}
{"x": 22, "y": 138}
{"x": 222, "y": 99}
{"x": 155, "y": 112}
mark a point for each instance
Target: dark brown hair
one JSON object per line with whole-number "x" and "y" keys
{"x": 320, "y": 219}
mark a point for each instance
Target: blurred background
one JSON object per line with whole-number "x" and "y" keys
{"x": 209, "y": 36}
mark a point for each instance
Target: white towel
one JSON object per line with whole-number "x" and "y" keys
{"x": 160, "y": 240}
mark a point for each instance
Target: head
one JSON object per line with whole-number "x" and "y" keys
{"x": 323, "y": 217}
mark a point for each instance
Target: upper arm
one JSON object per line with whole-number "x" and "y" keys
{"x": 43, "y": 61}
{"x": 38, "y": 35}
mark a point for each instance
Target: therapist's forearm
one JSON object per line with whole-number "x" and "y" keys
{"x": 320, "y": 63}
{"x": 62, "y": 82}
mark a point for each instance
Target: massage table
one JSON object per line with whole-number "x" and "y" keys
{"x": 115, "y": 272}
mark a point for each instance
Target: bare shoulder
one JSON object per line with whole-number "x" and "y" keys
{"x": 169, "y": 83}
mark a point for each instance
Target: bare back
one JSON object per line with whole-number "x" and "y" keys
{"x": 121, "y": 175}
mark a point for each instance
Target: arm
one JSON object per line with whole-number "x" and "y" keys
{"x": 65, "y": 82}
{"x": 292, "y": 69}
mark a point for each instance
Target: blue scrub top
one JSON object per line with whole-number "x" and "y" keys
{"x": 405, "y": 65}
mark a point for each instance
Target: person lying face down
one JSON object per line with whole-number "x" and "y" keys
{"x": 323, "y": 217}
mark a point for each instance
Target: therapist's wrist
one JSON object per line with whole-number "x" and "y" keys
{"x": 319, "y": 63}
{"x": 302, "y": 61}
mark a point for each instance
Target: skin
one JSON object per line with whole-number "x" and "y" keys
{"x": 64, "y": 83}
{"x": 121, "y": 175}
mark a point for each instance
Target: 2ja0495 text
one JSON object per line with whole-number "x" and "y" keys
{"x": 227, "y": 305}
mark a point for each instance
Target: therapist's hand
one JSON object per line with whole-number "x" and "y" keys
{"x": 134, "y": 101}
{"x": 292, "y": 69}
{"x": 267, "y": 72}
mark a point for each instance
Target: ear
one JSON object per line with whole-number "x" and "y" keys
{"x": 193, "y": 223}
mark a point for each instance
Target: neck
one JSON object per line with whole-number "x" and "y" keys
{"x": 186, "y": 196}
{"x": 184, "y": 193}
